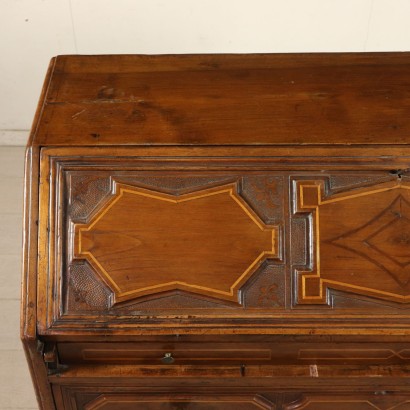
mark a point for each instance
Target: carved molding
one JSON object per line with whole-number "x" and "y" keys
{"x": 86, "y": 290}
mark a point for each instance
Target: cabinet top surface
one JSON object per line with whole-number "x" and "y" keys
{"x": 254, "y": 99}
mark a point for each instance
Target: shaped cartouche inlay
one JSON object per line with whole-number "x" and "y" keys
{"x": 208, "y": 242}
{"x": 360, "y": 241}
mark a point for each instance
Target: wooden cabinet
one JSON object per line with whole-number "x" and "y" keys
{"x": 219, "y": 232}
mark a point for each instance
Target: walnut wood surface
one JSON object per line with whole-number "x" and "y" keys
{"x": 288, "y": 387}
{"x": 111, "y": 202}
{"x": 310, "y": 401}
{"x": 227, "y": 100}
{"x": 207, "y": 242}
{"x": 361, "y": 240}
{"x": 247, "y": 215}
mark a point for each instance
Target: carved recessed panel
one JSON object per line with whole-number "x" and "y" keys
{"x": 142, "y": 242}
{"x": 360, "y": 241}
{"x": 86, "y": 192}
{"x": 85, "y": 291}
{"x": 174, "y": 184}
{"x": 265, "y": 193}
{"x": 267, "y": 289}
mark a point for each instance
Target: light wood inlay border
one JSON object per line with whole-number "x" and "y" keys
{"x": 106, "y": 399}
{"x": 309, "y": 197}
{"x": 120, "y": 189}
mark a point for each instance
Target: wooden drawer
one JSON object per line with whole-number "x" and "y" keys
{"x": 174, "y": 401}
{"x": 233, "y": 353}
{"x": 89, "y": 399}
{"x": 218, "y": 387}
{"x": 178, "y": 353}
{"x": 351, "y": 400}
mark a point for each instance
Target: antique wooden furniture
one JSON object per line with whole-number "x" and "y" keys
{"x": 220, "y": 232}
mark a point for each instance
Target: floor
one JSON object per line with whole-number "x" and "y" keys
{"x": 16, "y": 391}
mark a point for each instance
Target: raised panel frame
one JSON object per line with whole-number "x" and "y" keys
{"x": 80, "y": 231}
{"x": 53, "y": 160}
{"x": 310, "y": 197}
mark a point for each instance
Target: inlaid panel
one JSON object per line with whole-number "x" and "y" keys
{"x": 133, "y": 241}
{"x": 172, "y": 402}
{"x": 379, "y": 400}
{"x": 360, "y": 241}
{"x": 143, "y": 241}
{"x": 285, "y": 351}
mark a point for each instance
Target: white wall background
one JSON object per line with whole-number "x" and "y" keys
{"x": 32, "y": 31}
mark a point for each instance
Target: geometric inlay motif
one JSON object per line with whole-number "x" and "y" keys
{"x": 385, "y": 240}
{"x": 360, "y": 241}
{"x": 142, "y": 242}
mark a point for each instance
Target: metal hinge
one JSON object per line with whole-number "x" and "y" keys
{"x": 51, "y": 359}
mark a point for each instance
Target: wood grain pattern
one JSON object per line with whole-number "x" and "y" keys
{"x": 208, "y": 242}
{"x": 263, "y": 352}
{"x": 191, "y": 100}
{"x": 90, "y": 397}
{"x": 347, "y": 402}
{"x": 29, "y": 298}
{"x": 271, "y": 287}
{"x": 360, "y": 241}
{"x": 245, "y": 216}
{"x": 125, "y": 402}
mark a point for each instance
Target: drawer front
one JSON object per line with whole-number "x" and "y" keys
{"x": 350, "y": 401}
{"x": 143, "y": 242}
{"x": 113, "y": 402}
{"x": 233, "y": 353}
{"x": 70, "y": 398}
{"x": 160, "y": 354}
{"x": 226, "y": 244}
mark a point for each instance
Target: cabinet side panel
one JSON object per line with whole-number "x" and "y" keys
{"x": 29, "y": 283}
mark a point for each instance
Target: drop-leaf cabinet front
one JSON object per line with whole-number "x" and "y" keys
{"x": 219, "y": 232}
